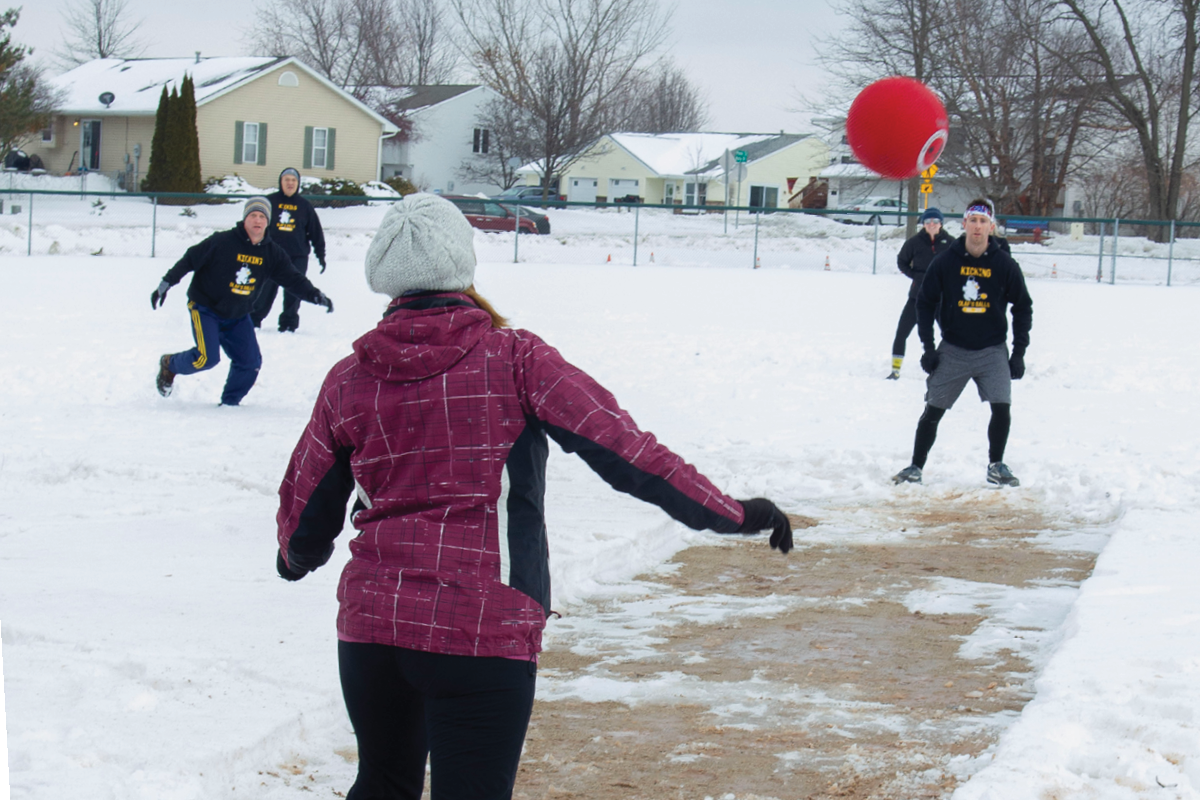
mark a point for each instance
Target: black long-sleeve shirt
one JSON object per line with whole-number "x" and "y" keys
{"x": 917, "y": 253}
{"x": 971, "y": 296}
{"x": 229, "y": 269}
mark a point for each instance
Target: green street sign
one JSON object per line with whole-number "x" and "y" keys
{"x": 739, "y": 156}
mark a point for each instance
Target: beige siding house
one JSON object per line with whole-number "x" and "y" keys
{"x": 254, "y": 116}
{"x": 690, "y": 169}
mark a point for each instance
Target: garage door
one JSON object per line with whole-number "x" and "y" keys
{"x": 619, "y": 188}
{"x": 582, "y": 190}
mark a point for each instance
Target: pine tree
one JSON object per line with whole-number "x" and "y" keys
{"x": 159, "y": 155}
{"x": 172, "y": 141}
{"x": 188, "y": 171}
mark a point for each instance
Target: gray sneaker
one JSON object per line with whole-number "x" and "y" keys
{"x": 910, "y": 474}
{"x": 999, "y": 474}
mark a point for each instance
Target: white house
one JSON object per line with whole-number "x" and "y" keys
{"x": 445, "y": 133}
{"x": 693, "y": 168}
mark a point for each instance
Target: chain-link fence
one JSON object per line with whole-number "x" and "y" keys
{"x": 116, "y": 223}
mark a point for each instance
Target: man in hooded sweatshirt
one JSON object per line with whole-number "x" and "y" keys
{"x": 294, "y": 227}
{"x": 438, "y": 423}
{"x": 229, "y": 268}
{"x": 969, "y": 289}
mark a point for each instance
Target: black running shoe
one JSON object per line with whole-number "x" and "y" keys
{"x": 910, "y": 474}
{"x": 1001, "y": 475}
{"x": 166, "y": 378}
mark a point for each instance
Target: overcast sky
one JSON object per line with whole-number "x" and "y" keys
{"x": 752, "y": 58}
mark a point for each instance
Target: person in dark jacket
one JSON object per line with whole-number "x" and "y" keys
{"x": 914, "y": 258}
{"x": 438, "y": 423}
{"x": 294, "y": 227}
{"x": 969, "y": 288}
{"x": 229, "y": 268}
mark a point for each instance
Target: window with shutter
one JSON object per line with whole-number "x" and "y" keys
{"x": 250, "y": 143}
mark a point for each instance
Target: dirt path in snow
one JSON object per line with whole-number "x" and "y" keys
{"x": 822, "y": 685}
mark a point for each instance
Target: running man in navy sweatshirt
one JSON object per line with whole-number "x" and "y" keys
{"x": 228, "y": 269}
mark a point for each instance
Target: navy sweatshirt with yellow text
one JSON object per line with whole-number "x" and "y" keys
{"x": 229, "y": 269}
{"x": 970, "y": 296}
{"x": 295, "y": 224}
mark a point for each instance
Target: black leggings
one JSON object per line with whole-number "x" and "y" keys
{"x": 908, "y": 321}
{"x": 927, "y": 426}
{"x": 468, "y": 715}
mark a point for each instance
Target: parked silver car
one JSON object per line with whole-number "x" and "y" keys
{"x": 872, "y": 210}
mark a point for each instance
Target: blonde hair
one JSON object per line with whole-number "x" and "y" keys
{"x": 498, "y": 321}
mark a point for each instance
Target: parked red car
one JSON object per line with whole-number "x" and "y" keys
{"x": 488, "y": 215}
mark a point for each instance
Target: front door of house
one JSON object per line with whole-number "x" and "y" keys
{"x": 669, "y": 194}
{"x": 89, "y": 143}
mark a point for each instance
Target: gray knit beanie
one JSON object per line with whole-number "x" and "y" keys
{"x": 257, "y": 204}
{"x": 423, "y": 244}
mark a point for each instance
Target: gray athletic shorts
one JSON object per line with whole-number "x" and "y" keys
{"x": 987, "y": 367}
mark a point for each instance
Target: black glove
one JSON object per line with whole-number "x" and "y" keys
{"x": 286, "y": 572}
{"x": 159, "y": 295}
{"x": 321, "y": 261}
{"x": 929, "y": 361}
{"x": 1016, "y": 365}
{"x": 322, "y": 300}
{"x": 761, "y": 514}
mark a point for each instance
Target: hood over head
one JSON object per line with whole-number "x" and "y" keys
{"x": 412, "y": 344}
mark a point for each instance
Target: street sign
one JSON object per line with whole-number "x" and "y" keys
{"x": 926, "y": 188}
{"x": 929, "y": 173}
{"x": 740, "y": 156}
{"x": 741, "y": 172}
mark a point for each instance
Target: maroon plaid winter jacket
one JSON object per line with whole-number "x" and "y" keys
{"x": 439, "y": 423}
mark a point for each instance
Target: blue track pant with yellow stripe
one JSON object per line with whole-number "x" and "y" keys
{"x": 213, "y": 334}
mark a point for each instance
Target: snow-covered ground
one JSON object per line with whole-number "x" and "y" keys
{"x": 151, "y": 652}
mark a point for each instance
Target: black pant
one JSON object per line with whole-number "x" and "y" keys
{"x": 469, "y": 715}
{"x": 289, "y": 319}
{"x": 908, "y": 321}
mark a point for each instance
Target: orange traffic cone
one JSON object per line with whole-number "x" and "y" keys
{"x": 651, "y": 256}
{"x": 827, "y": 263}
{"x": 609, "y": 260}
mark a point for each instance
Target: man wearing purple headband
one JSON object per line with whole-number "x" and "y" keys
{"x": 968, "y": 289}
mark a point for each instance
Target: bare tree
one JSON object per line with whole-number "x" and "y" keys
{"x": 564, "y": 63}
{"x": 27, "y": 102}
{"x": 1146, "y": 55}
{"x": 890, "y": 37}
{"x": 98, "y": 29}
{"x": 512, "y": 143}
{"x": 663, "y": 100}
{"x": 433, "y": 59}
{"x": 360, "y": 43}
{"x": 1023, "y": 108}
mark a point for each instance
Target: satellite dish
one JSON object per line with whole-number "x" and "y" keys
{"x": 107, "y": 98}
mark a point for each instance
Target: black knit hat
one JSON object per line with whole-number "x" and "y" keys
{"x": 932, "y": 213}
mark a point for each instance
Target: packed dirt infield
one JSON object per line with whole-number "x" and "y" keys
{"x": 740, "y": 675}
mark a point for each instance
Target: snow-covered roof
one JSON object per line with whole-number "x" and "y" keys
{"x": 680, "y": 154}
{"x": 136, "y": 83}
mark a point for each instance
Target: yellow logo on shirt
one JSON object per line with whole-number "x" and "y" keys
{"x": 245, "y": 259}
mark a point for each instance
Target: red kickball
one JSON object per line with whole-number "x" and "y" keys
{"x": 897, "y": 127}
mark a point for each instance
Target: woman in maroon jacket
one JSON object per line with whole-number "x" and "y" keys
{"x": 438, "y": 423}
